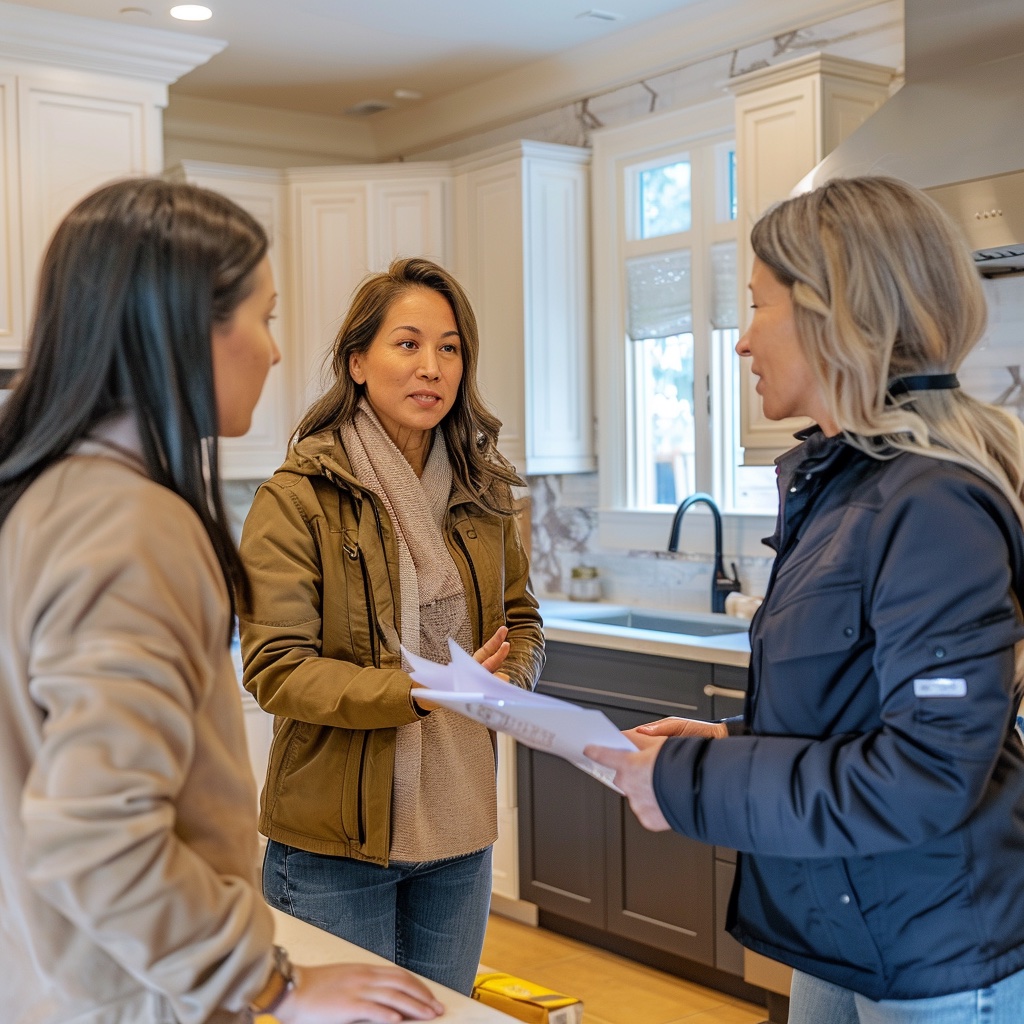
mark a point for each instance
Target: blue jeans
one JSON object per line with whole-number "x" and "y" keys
{"x": 429, "y": 918}
{"x": 813, "y": 1001}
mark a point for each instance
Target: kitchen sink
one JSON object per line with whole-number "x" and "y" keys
{"x": 662, "y": 622}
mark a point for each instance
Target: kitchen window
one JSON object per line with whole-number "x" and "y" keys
{"x": 665, "y": 237}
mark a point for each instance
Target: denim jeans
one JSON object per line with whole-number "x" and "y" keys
{"x": 429, "y": 918}
{"x": 813, "y": 1001}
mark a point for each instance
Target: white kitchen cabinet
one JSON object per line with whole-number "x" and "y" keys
{"x": 12, "y": 317}
{"x": 64, "y": 135}
{"x": 262, "y": 193}
{"x": 81, "y": 104}
{"x": 505, "y": 881}
{"x": 347, "y": 222}
{"x": 521, "y": 252}
{"x": 788, "y": 118}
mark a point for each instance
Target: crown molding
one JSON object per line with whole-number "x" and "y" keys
{"x": 91, "y": 44}
{"x": 251, "y": 127}
{"x": 689, "y": 34}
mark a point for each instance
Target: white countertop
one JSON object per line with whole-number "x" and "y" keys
{"x": 566, "y": 621}
{"x": 307, "y": 944}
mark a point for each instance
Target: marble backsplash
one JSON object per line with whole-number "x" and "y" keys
{"x": 563, "y": 535}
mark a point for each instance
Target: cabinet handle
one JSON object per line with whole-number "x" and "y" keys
{"x": 724, "y": 691}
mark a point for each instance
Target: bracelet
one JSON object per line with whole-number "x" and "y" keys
{"x": 278, "y": 986}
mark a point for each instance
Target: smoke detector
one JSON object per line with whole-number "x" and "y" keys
{"x": 368, "y": 107}
{"x": 600, "y": 15}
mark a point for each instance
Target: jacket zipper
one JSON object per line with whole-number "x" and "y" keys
{"x": 476, "y": 584}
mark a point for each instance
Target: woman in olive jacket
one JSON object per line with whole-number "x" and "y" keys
{"x": 390, "y": 524}
{"x": 875, "y": 783}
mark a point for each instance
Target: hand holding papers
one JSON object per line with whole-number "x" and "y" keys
{"x": 544, "y": 723}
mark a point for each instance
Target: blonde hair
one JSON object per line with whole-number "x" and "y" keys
{"x": 470, "y": 429}
{"x": 884, "y": 286}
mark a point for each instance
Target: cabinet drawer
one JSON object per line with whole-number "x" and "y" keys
{"x": 640, "y": 682}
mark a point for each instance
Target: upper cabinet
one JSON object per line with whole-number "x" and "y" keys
{"x": 522, "y": 254}
{"x": 788, "y": 118}
{"x": 84, "y": 109}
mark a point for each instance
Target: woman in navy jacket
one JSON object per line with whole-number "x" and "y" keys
{"x": 875, "y": 784}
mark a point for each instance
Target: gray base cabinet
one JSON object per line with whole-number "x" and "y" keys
{"x": 583, "y": 855}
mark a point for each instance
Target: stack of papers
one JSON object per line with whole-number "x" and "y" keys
{"x": 534, "y": 719}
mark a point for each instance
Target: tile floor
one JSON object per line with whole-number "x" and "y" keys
{"x": 614, "y": 990}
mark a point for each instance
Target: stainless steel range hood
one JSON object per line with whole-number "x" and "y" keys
{"x": 956, "y": 128}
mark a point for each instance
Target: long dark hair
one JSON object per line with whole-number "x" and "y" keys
{"x": 470, "y": 429}
{"x": 135, "y": 279}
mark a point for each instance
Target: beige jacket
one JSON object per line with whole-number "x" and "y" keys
{"x": 321, "y": 642}
{"x": 128, "y": 888}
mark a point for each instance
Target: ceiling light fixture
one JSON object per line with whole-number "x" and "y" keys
{"x": 407, "y": 94}
{"x": 136, "y": 10}
{"x": 600, "y": 15}
{"x": 191, "y": 12}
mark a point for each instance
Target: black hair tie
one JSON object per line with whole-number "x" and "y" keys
{"x": 923, "y": 382}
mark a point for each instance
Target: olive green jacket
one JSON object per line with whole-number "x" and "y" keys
{"x": 320, "y": 641}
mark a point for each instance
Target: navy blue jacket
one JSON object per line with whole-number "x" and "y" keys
{"x": 876, "y": 792}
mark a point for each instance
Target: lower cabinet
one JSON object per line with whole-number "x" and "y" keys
{"x": 583, "y": 855}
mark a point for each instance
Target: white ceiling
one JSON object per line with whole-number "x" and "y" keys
{"x": 326, "y": 56}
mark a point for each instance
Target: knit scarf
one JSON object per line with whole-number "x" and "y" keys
{"x": 443, "y": 802}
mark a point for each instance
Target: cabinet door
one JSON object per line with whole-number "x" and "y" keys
{"x": 489, "y": 245}
{"x": 12, "y": 317}
{"x": 410, "y": 219}
{"x": 72, "y": 140}
{"x": 561, "y": 837}
{"x": 559, "y": 418}
{"x": 330, "y": 258}
{"x": 660, "y": 885}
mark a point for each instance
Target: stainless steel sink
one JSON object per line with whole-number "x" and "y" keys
{"x": 687, "y": 625}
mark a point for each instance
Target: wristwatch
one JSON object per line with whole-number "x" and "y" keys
{"x": 279, "y": 984}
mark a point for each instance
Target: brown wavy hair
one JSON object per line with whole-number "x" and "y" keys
{"x": 470, "y": 429}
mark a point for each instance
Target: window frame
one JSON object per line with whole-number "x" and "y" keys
{"x": 618, "y": 155}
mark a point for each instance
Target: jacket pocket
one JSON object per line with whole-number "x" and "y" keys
{"x": 353, "y": 819}
{"x": 818, "y": 622}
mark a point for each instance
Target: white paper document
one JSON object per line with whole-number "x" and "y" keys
{"x": 544, "y": 723}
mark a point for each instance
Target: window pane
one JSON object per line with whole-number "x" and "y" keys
{"x": 665, "y": 200}
{"x": 660, "y": 297}
{"x": 663, "y": 369}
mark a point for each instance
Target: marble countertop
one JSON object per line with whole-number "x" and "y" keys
{"x": 307, "y": 944}
{"x": 566, "y": 621}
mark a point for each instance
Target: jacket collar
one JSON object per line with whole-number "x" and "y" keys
{"x": 323, "y": 454}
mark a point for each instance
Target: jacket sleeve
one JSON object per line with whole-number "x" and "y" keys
{"x": 283, "y": 548}
{"x": 940, "y": 607}
{"x": 127, "y": 622}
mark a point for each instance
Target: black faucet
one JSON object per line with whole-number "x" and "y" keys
{"x": 720, "y": 583}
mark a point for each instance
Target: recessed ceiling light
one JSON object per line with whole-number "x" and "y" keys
{"x": 407, "y": 94}
{"x": 191, "y": 12}
{"x": 136, "y": 10}
{"x": 600, "y": 15}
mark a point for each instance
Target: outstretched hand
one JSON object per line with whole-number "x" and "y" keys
{"x": 634, "y": 775}
{"x": 345, "y": 993}
{"x": 681, "y": 727}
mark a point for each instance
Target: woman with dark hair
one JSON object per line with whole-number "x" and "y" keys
{"x": 390, "y": 524}
{"x": 875, "y": 784}
{"x": 128, "y": 888}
